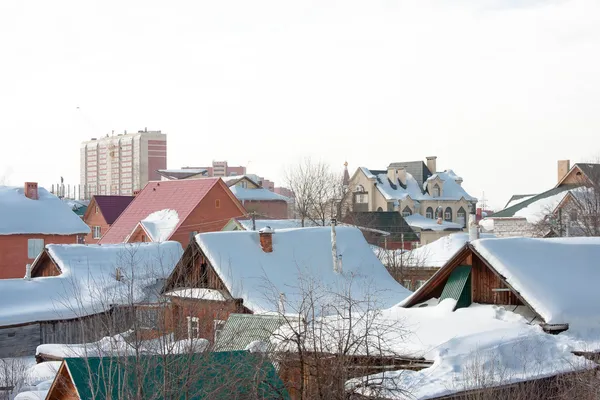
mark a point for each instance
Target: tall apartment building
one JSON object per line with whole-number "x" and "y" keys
{"x": 121, "y": 164}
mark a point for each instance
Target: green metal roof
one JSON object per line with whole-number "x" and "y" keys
{"x": 511, "y": 211}
{"x": 218, "y": 375}
{"x": 458, "y": 286}
{"x": 242, "y": 329}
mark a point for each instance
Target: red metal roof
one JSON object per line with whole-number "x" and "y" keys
{"x": 180, "y": 195}
{"x": 112, "y": 206}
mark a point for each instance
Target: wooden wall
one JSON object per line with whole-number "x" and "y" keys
{"x": 19, "y": 341}
{"x": 483, "y": 280}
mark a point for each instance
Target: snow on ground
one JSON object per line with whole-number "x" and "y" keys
{"x": 87, "y": 283}
{"x": 300, "y": 257}
{"x": 557, "y": 277}
{"x": 160, "y": 224}
{"x": 197, "y": 293}
{"x": 419, "y": 221}
{"x": 437, "y": 253}
{"x": 46, "y": 215}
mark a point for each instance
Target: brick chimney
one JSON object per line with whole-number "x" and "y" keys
{"x": 31, "y": 190}
{"x": 432, "y": 164}
{"x": 564, "y": 166}
{"x": 402, "y": 175}
{"x": 266, "y": 239}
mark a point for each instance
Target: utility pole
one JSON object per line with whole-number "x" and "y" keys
{"x": 253, "y": 220}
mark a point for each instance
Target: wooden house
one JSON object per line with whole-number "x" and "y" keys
{"x": 81, "y": 293}
{"x": 551, "y": 282}
{"x": 31, "y": 217}
{"x": 175, "y": 210}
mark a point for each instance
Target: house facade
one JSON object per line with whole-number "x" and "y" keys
{"x": 102, "y": 213}
{"x": 31, "y": 218}
{"x": 412, "y": 188}
{"x": 257, "y": 199}
{"x": 175, "y": 210}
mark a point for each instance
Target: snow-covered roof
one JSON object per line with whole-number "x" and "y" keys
{"x": 537, "y": 210}
{"x": 87, "y": 283}
{"x": 437, "y": 253}
{"x": 516, "y": 199}
{"x": 277, "y": 224}
{"x": 256, "y": 194}
{"x": 424, "y": 223}
{"x": 298, "y": 256}
{"x": 46, "y": 215}
{"x": 557, "y": 277}
{"x": 197, "y": 293}
{"x": 160, "y": 224}
{"x": 234, "y": 178}
{"x": 451, "y": 190}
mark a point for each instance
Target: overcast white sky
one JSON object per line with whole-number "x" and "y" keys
{"x": 498, "y": 90}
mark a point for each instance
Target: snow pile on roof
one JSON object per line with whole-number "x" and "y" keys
{"x": 160, "y": 224}
{"x": 87, "y": 283}
{"x": 256, "y": 194}
{"x": 299, "y": 257}
{"x": 46, "y": 215}
{"x": 424, "y": 223}
{"x": 450, "y": 189}
{"x": 197, "y": 293}
{"x": 519, "y": 200}
{"x": 557, "y": 277}
{"x": 437, "y": 253}
{"x": 478, "y": 341}
{"x": 487, "y": 224}
{"x": 536, "y": 211}
{"x": 36, "y": 380}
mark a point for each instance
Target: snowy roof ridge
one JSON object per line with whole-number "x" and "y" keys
{"x": 46, "y": 215}
{"x": 160, "y": 224}
{"x": 256, "y": 194}
{"x": 246, "y": 270}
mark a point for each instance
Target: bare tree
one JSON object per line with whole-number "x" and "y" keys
{"x": 318, "y": 192}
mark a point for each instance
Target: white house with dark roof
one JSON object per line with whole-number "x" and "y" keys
{"x": 414, "y": 188}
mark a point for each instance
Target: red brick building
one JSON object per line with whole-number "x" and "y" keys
{"x": 175, "y": 210}
{"x": 102, "y": 213}
{"x": 257, "y": 199}
{"x": 30, "y": 218}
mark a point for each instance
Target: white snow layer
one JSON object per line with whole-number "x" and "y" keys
{"x": 301, "y": 258}
{"x": 256, "y": 194}
{"x": 557, "y": 277}
{"x": 518, "y": 201}
{"x": 87, "y": 283}
{"x": 46, "y": 215}
{"x": 437, "y": 253}
{"x": 197, "y": 293}
{"x": 424, "y": 223}
{"x": 537, "y": 210}
{"x": 160, "y": 224}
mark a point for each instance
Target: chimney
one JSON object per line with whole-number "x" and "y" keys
{"x": 473, "y": 228}
{"x": 392, "y": 174}
{"x": 31, "y": 190}
{"x": 432, "y": 164}
{"x": 266, "y": 239}
{"x": 564, "y": 166}
{"x": 402, "y": 175}
{"x": 336, "y": 260}
{"x": 27, "y": 272}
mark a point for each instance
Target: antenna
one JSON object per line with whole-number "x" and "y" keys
{"x": 482, "y": 201}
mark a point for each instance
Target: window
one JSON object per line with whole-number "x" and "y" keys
{"x": 34, "y": 247}
{"x": 147, "y": 317}
{"x": 379, "y": 209}
{"x": 461, "y": 217}
{"x": 573, "y": 215}
{"x": 436, "y": 190}
{"x": 217, "y": 203}
{"x": 193, "y": 327}
{"x": 406, "y": 212}
{"x": 406, "y": 283}
{"x": 97, "y": 210}
{"x": 448, "y": 214}
{"x": 96, "y": 232}
{"x": 143, "y": 238}
{"x": 218, "y": 327}
{"x": 361, "y": 198}
{"x": 429, "y": 213}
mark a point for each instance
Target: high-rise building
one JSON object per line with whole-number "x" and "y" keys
{"x": 121, "y": 164}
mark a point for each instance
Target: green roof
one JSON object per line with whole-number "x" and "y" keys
{"x": 242, "y": 329}
{"x": 458, "y": 286}
{"x": 217, "y": 375}
{"x": 511, "y": 211}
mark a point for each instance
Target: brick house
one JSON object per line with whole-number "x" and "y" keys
{"x": 251, "y": 272}
{"x": 255, "y": 198}
{"x": 30, "y": 218}
{"x": 102, "y": 213}
{"x": 175, "y": 210}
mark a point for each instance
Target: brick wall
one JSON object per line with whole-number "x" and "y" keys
{"x": 95, "y": 219}
{"x": 269, "y": 209}
{"x": 507, "y": 227}
{"x": 13, "y": 252}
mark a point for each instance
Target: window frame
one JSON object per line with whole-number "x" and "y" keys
{"x": 190, "y": 327}
{"x": 448, "y": 214}
{"x": 33, "y": 245}
{"x": 429, "y": 213}
{"x": 96, "y": 234}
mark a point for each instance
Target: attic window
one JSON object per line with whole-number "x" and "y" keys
{"x": 97, "y": 210}
{"x": 217, "y": 203}
{"x": 436, "y": 190}
{"x": 406, "y": 212}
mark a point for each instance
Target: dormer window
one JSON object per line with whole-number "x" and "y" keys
{"x": 436, "y": 190}
{"x": 406, "y": 212}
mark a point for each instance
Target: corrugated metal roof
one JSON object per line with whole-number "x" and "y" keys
{"x": 242, "y": 329}
{"x": 458, "y": 286}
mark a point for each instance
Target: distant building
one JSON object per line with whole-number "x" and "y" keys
{"x": 221, "y": 168}
{"x": 121, "y": 164}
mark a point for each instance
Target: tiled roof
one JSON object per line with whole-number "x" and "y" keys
{"x": 112, "y": 206}
{"x": 180, "y": 195}
{"x": 242, "y": 329}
